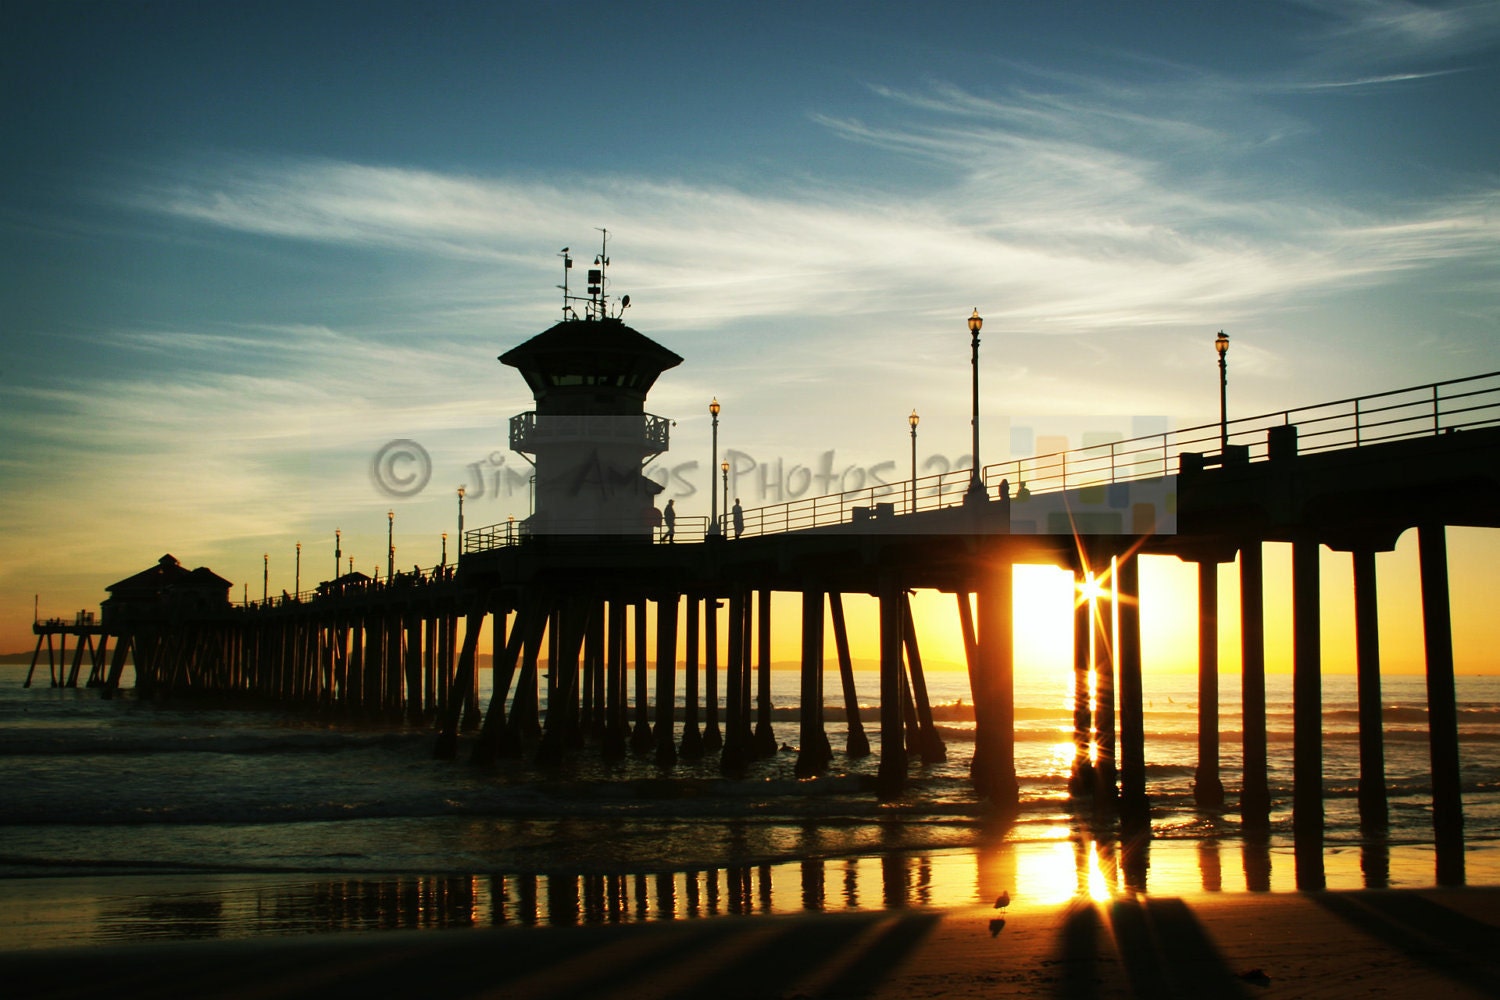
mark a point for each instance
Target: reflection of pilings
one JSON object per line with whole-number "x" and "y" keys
{"x": 1135, "y": 813}
{"x": 1373, "y": 814}
{"x": 857, "y": 744}
{"x": 765, "y": 738}
{"x": 1255, "y": 792}
{"x": 931, "y": 745}
{"x": 1307, "y": 716}
{"x": 692, "y": 738}
{"x": 666, "y": 678}
{"x": 1256, "y": 855}
{"x": 713, "y": 739}
{"x": 1081, "y": 780}
{"x": 1210, "y": 866}
{"x": 891, "y": 777}
{"x": 1442, "y": 706}
{"x": 1208, "y": 789}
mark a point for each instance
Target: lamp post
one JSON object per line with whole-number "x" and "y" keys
{"x": 976, "y": 480}
{"x": 713, "y": 500}
{"x": 297, "y": 585}
{"x": 724, "y": 469}
{"x": 265, "y": 580}
{"x": 338, "y": 551}
{"x": 460, "y": 521}
{"x": 445, "y": 550}
{"x": 1221, "y": 344}
{"x": 390, "y": 545}
{"x": 913, "y": 420}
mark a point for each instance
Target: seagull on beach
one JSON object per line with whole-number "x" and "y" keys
{"x": 1002, "y": 900}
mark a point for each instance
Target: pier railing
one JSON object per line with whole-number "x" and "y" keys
{"x": 1419, "y": 411}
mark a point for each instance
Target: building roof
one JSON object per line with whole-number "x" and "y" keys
{"x": 168, "y": 573}
{"x": 599, "y": 351}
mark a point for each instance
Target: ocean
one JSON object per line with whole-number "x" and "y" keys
{"x": 130, "y": 819}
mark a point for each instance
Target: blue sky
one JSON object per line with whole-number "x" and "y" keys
{"x": 245, "y": 244}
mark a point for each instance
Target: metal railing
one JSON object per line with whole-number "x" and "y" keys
{"x": 1419, "y": 411}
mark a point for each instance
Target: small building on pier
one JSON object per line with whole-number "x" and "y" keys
{"x": 164, "y": 591}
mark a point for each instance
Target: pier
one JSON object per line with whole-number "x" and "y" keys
{"x": 591, "y": 577}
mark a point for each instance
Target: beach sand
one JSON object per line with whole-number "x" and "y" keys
{"x": 1367, "y": 943}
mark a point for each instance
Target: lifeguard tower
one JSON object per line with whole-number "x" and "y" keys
{"x": 590, "y": 436}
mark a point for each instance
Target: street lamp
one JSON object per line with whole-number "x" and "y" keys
{"x": 724, "y": 468}
{"x": 297, "y": 586}
{"x": 713, "y": 509}
{"x": 976, "y": 481}
{"x": 265, "y": 580}
{"x": 390, "y": 545}
{"x": 460, "y": 521}
{"x": 1221, "y": 344}
{"x": 913, "y": 420}
{"x": 445, "y": 550}
{"x": 338, "y": 551}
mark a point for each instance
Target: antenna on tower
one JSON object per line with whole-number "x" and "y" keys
{"x": 567, "y": 266}
{"x": 596, "y": 279}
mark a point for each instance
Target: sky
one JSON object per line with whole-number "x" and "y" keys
{"x": 245, "y": 245}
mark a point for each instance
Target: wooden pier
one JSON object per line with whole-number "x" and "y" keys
{"x": 585, "y": 596}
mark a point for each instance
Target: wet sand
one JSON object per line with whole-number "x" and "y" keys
{"x": 1394, "y": 943}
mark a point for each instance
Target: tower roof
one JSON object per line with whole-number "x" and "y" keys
{"x": 590, "y": 352}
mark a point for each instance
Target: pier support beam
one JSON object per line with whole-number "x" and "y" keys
{"x": 813, "y": 754}
{"x": 447, "y": 746}
{"x": 1255, "y": 791}
{"x": 994, "y": 700}
{"x": 736, "y": 753}
{"x": 1106, "y": 791}
{"x": 857, "y": 743}
{"x": 891, "y": 778}
{"x": 666, "y": 678}
{"x": 1135, "y": 810}
{"x": 1307, "y": 716}
{"x": 616, "y": 711}
{"x": 692, "y": 738}
{"x": 1374, "y": 814}
{"x": 713, "y": 739}
{"x": 1081, "y": 780}
{"x": 1208, "y": 788}
{"x": 765, "y": 737}
{"x": 930, "y": 744}
{"x": 527, "y": 628}
{"x": 1442, "y": 706}
{"x": 640, "y": 738}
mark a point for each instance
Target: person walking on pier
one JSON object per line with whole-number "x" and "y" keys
{"x": 670, "y": 515}
{"x": 739, "y": 518}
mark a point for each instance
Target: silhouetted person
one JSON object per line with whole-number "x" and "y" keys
{"x": 1022, "y": 492}
{"x": 739, "y": 518}
{"x": 670, "y": 516}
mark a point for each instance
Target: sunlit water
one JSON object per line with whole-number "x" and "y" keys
{"x": 128, "y": 819}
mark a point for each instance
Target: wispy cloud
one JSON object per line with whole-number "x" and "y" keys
{"x": 1365, "y": 33}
